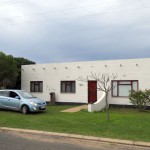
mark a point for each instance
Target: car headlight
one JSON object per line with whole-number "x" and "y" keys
{"x": 33, "y": 103}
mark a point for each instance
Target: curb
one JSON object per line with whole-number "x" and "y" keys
{"x": 75, "y": 136}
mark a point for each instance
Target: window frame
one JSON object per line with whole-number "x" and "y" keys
{"x": 118, "y": 84}
{"x": 35, "y": 84}
{"x": 71, "y": 83}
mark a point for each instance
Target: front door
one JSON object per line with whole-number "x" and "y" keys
{"x": 13, "y": 102}
{"x": 92, "y": 91}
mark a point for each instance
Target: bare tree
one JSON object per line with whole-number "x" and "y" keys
{"x": 103, "y": 84}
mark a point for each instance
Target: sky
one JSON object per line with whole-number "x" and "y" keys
{"x": 54, "y": 31}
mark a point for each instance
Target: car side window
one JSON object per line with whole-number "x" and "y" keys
{"x": 13, "y": 94}
{"x": 4, "y": 93}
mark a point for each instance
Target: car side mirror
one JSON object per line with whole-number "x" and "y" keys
{"x": 17, "y": 97}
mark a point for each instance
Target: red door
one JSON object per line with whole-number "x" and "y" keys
{"x": 92, "y": 91}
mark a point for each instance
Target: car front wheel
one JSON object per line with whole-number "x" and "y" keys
{"x": 25, "y": 109}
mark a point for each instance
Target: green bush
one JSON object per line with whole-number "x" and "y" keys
{"x": 140, "y": 99}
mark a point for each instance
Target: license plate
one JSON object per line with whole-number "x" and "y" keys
{"x": 42, "y": 107}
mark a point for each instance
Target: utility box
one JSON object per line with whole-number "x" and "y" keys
{"x": 52, "y": 98}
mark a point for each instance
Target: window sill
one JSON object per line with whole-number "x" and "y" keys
{"x": 66, "y": 93}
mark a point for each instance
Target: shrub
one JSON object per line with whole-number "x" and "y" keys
{"x": 140, "y": 99}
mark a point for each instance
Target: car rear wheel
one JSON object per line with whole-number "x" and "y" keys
{"x": 25, "y": 109}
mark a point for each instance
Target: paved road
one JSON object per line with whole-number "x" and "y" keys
{"x": 22, "y": 141}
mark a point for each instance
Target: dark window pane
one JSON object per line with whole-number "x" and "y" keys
{"x": 68, "y": 86}
{"x": 41, "y": 87}
{"x": 62, "y": 86}
{"x": 73, "y": 87}
{"x": 36, "y": 86}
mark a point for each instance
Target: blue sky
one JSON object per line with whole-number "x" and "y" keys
{"x": 75, "y": 30}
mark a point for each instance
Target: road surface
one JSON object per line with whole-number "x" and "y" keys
{"x": 21, "y": 141}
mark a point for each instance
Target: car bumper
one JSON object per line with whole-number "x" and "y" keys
{"x": 38, "y": 108}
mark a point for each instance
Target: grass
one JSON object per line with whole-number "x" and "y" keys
{"x": 126, "y": 124}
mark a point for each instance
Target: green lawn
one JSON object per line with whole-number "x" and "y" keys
{"x": 124, "y": 123}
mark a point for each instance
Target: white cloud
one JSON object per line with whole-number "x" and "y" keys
{"x": 78, "y": 30}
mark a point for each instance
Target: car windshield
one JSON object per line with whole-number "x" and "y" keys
{"x": 26, "y": 94}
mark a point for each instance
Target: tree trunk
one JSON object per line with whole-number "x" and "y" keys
{"x": 107, "y": 107}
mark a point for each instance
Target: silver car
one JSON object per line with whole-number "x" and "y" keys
{"x": 21, "y": 101}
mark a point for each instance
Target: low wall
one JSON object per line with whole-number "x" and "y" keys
{"x": 99, "y": 105}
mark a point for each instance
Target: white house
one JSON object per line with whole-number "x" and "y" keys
{"x": 62, "y": 78}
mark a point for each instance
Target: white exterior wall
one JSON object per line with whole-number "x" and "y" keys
{"x": 131, "y": 69}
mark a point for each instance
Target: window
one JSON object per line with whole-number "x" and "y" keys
{"x": 123, "y": 87}
{"x": 36, "y": 86}
{"x": 13, "y": 94}
{"x": 4, "y": 93}
{"x": 67, "y": 86}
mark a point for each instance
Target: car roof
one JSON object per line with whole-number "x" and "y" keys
{"x": 11, "y": 90}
